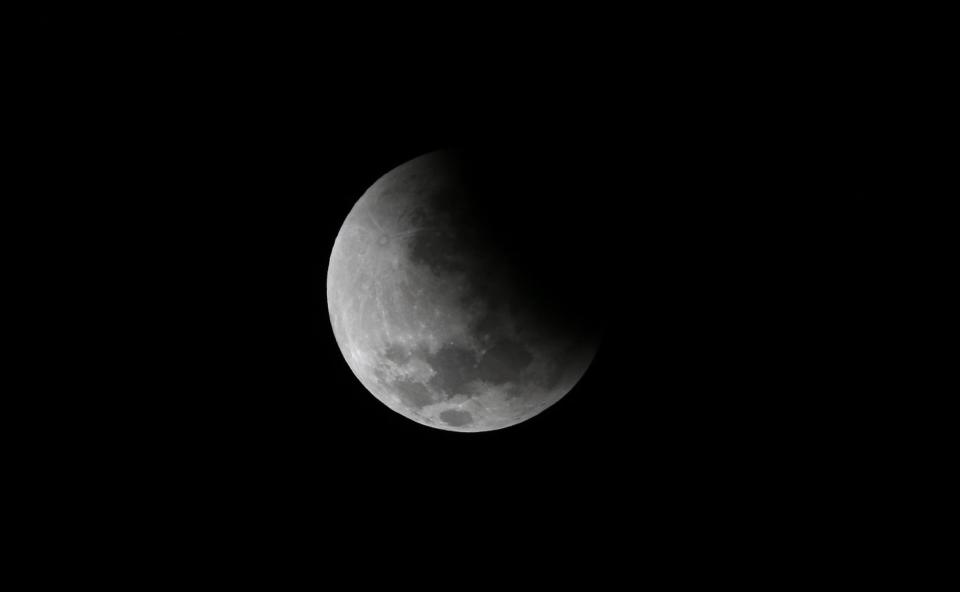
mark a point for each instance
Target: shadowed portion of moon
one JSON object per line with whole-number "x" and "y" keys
{"x": 503, "y": 361}
{"x": 458, "y": 293}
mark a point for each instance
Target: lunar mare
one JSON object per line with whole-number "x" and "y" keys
{"x": 428, "y": 311}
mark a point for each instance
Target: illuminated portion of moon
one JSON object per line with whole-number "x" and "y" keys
{"x": 430, "y": 316}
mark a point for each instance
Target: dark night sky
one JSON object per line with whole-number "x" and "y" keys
{"x": 201, "y": 165}
{"x": 697, "y": 384}
{"x": 698, "y": 180}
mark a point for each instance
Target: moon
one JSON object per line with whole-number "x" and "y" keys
{"x": 451, "y": 304}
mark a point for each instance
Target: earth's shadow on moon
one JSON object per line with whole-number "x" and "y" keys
{"x": 460, "y": 294}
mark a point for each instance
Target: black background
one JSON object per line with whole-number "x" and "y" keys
{"x": 718, "y": 189}
{"x": 700, "y": 393}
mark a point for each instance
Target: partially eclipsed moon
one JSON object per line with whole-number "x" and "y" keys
{"x": 432, "y": 312}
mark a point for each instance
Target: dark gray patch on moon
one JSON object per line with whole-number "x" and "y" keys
{"x": 556, "y": 373}
{"x": 456, "y": 417}
{"x": 415, "y": 219}
{"x": 503, "y": 362}
{"x": 413, "y": 394}
{"x": 455, "y": 366}
{"x": 564, "y": 360}
{"x": 397, "y": 354}
{"x": 438, "y": 250}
